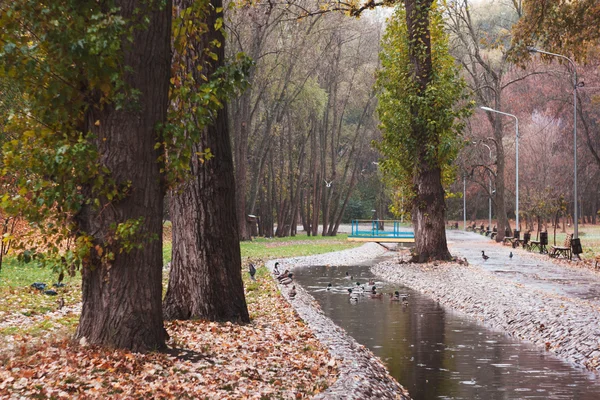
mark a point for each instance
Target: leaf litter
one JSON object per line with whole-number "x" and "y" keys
{"x": 275, "y": 356}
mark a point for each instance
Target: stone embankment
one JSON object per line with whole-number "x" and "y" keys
{"x": 362, "y": 374}
{"x": 567, "y": 326}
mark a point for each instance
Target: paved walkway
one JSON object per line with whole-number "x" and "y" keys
{"x": 535, "y": 270}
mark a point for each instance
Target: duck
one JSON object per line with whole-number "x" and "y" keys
{"x": 288, "y": 280}
{"x": 510, "y": 255}
{"x": 483, "y": 255}
{"x": 292, "y": 292}
{"x": 371, "y": 282}
{"x": 276, "y": 269}
{"x": 353, "y": 297}
{"x": 252, "y": 271}
{"x": 283, "y": 275}
{"x": 374, "y": 294}
{"x": 395, "y": 296}
{"x": 329, "y": 286}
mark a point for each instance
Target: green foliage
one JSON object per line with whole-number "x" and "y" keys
{"x": 418, "y": 124}
{"x": 200, "y": 84}
{"x": 60, "y": 61}
{"x": 57, "y": 69}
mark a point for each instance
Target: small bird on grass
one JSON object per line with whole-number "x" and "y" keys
{"x": 252, "y": 271}
{"x": 483, "y": 255}
{"x": 510, "y": 255}
{"x": 292, "y": 292}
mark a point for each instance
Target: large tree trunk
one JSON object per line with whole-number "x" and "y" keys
{"x": 429, "y": 209}
{"x": 122, "y": 298}
{"x": 205, "y": 281}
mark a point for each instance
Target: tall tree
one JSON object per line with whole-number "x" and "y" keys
{"x": 95, "y": 76}
{"x": 420, "y": 89}
{"x": 205, "y": 279}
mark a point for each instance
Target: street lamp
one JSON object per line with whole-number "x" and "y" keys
{"x": 464, "y": 201}
{"x": 516, "y": 161}
{"x": 575, "y": 86}
{"x": 490, "y": 187}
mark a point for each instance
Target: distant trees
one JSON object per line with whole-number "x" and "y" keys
{"x": 302, "y": 130}
{"x": 420, "y": 110}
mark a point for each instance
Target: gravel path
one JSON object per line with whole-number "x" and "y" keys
{"x": 527, "y": 296}
{"x": 362, "y": 374}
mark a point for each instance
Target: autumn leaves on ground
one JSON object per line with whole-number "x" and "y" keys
{"x": 275, "y": 356}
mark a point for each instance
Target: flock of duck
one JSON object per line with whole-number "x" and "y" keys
{"x": 354, "y": 293}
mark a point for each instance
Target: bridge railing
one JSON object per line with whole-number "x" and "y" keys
{"x": 380, "y": 228}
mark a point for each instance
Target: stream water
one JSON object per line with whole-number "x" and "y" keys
{"x": 436, "y": 354}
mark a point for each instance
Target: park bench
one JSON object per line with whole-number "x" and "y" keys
{"x": 541, "y": 244}
{"x": 524, "y": 243}
{"x": 564, "y": 250}
{"x": 494, "y": 232}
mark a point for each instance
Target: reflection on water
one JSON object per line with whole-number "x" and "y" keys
{"x": 438, "y": 355}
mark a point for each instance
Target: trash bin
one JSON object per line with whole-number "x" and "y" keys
{"x": 576, "y": 246}
{"x": 517, "y": 234}
{"x": 543, "y": 238}
{"x": 507, "y": 232}
{"x": 252, "y": 224}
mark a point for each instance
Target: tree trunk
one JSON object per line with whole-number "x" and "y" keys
{"x": 122, "y": 298}
{"x": 205, "y": 280}
{"x": 429, "y": 207}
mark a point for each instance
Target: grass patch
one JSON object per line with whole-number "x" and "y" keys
{"x": 300, "y": 245}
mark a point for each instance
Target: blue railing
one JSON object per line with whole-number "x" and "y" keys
{"x": 378, "y": 228}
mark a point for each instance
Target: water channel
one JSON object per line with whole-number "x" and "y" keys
{"x": 436, "y": 354}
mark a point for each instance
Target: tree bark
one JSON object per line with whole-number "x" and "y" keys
{"x": 122, "y": 298}
{"x": 205, "y": 280}
{"x": 429, "y": 208}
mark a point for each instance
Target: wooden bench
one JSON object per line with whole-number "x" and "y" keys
{"x": 523, "y": 242}
{"x": 564, "y": 250}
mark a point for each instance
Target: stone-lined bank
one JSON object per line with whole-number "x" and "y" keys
{"x": 569, "y": 327}
{"x": 362, "y": 374}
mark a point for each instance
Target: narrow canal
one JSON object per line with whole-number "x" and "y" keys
{"x": 436, "y": 354}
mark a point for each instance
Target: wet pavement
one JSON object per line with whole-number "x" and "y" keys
{"x": 529, "y": 268}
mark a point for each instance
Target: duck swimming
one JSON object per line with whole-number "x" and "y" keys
{"x": 353, "y": 297}
{"x": 374, "y": 294}
{"x": 329, "y": 285}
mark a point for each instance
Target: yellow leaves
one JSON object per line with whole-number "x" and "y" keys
{"x": 97, "y": 123}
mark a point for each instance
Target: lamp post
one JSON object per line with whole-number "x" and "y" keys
{"x": 490, "y": 187}
{"x": 575, "y": 86}
{"x": 464, "y": 202}
{"x": 516, "y": 161}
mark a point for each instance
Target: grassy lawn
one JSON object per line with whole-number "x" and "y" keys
{"x": 23, "y": 308}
